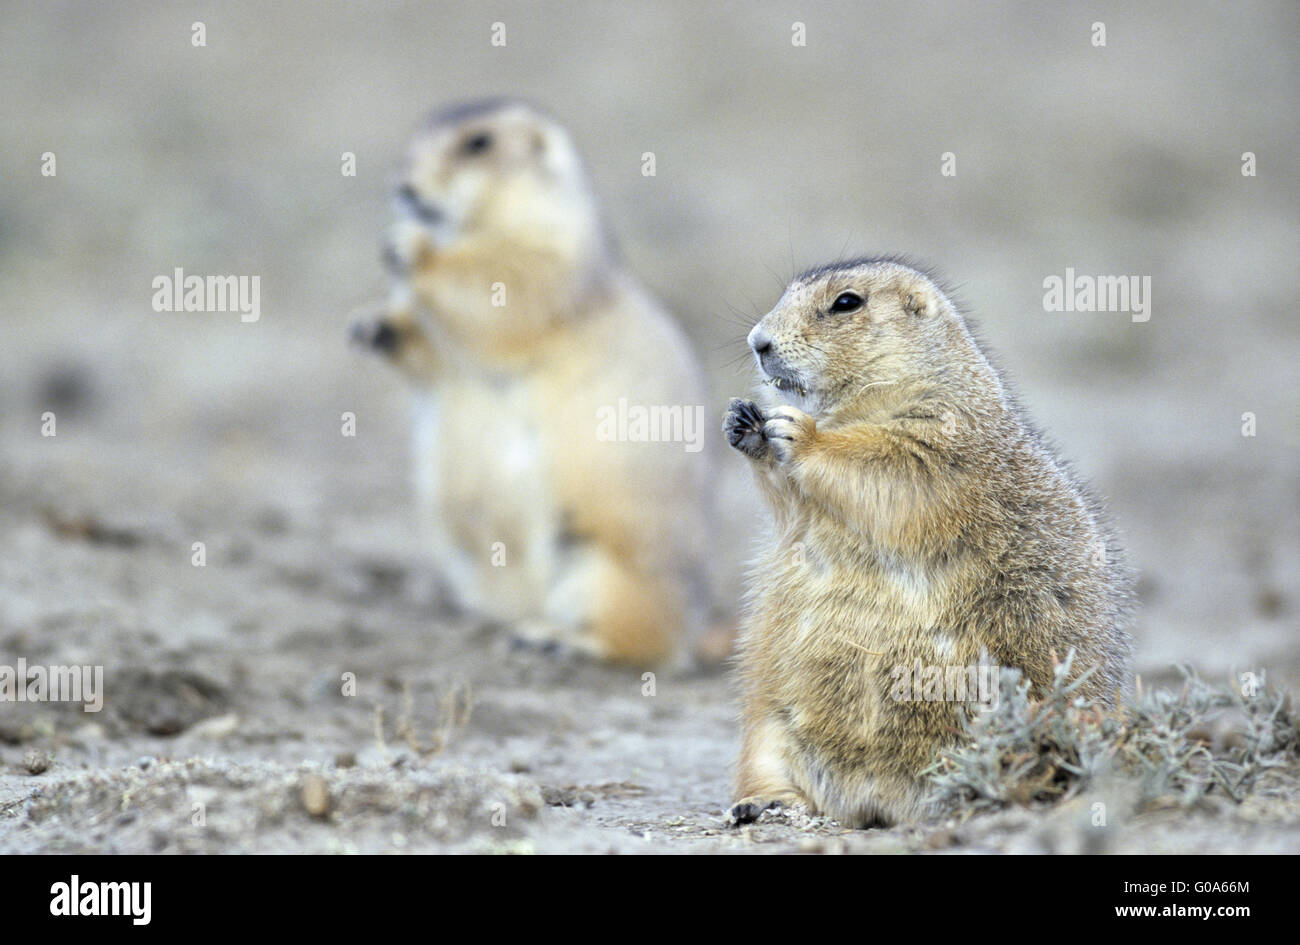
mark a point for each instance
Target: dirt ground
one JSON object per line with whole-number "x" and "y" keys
{"x": 225, "y": 725}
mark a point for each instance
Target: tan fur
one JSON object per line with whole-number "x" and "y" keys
{"x": 603, "y": 540}
{"x": 917, "y": 515}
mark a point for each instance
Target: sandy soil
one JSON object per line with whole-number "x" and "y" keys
{"x": 225, "y": 727}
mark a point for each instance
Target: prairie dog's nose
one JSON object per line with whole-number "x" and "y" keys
{"x": 759, "y": 341}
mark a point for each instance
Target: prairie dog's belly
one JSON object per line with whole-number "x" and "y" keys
{"x": 825, "y": 636}
{"x": 823, "y": 643}
{"x": 871, "y": 599}
{"x": 485, "y": 502}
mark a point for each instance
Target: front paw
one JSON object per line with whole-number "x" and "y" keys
{"x": 377, "y": 334}
{"x": 788, "y": 430}
{"x": 743, "y": 426}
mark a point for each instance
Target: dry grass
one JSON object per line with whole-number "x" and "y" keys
{"x": 1178, "y": 748}
{"x": 455, "y": 708}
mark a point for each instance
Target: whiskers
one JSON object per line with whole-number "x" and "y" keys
{"x": 739, "y": 346}
{"x": 870, "y": 384}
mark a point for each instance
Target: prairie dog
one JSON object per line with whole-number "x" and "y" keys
{"x": 522, "y": 334}
{"x": 919, "y": 520}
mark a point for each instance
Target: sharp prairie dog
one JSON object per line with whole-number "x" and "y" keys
{"x": 552, "y": 503}
{"x": 919, "y": 521}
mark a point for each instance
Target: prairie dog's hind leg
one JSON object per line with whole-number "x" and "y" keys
{"x": 763, "y": 777}
{"x": 601, "y": 606}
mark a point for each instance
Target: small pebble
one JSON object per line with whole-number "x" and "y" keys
{"x": 36, "y": 762}
{"x": 221, "y": 726}
{"x": 315, "y": 795}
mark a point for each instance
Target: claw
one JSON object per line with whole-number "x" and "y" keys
{"x": 748, "y": 811}
{"x": 379, "y": 336}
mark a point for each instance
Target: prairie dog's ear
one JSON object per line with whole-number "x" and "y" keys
{"x": 539, "y": 142}
{"x": 918, "y": 299}
{"x": 552, "y": 149}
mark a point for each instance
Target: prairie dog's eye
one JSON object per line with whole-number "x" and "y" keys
{"x": 476, "y": 144}
{"x": 847, "y": 302}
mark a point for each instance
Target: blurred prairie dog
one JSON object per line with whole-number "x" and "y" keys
{"x": 919, "y": 520}
{"x": 524, "y": 337}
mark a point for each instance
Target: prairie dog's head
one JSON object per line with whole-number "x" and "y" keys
{"x": 497, "y": 227}
{"x": 841, "y": 331}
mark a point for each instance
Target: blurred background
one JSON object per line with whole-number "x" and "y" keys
{"x": 176, "y": 427}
